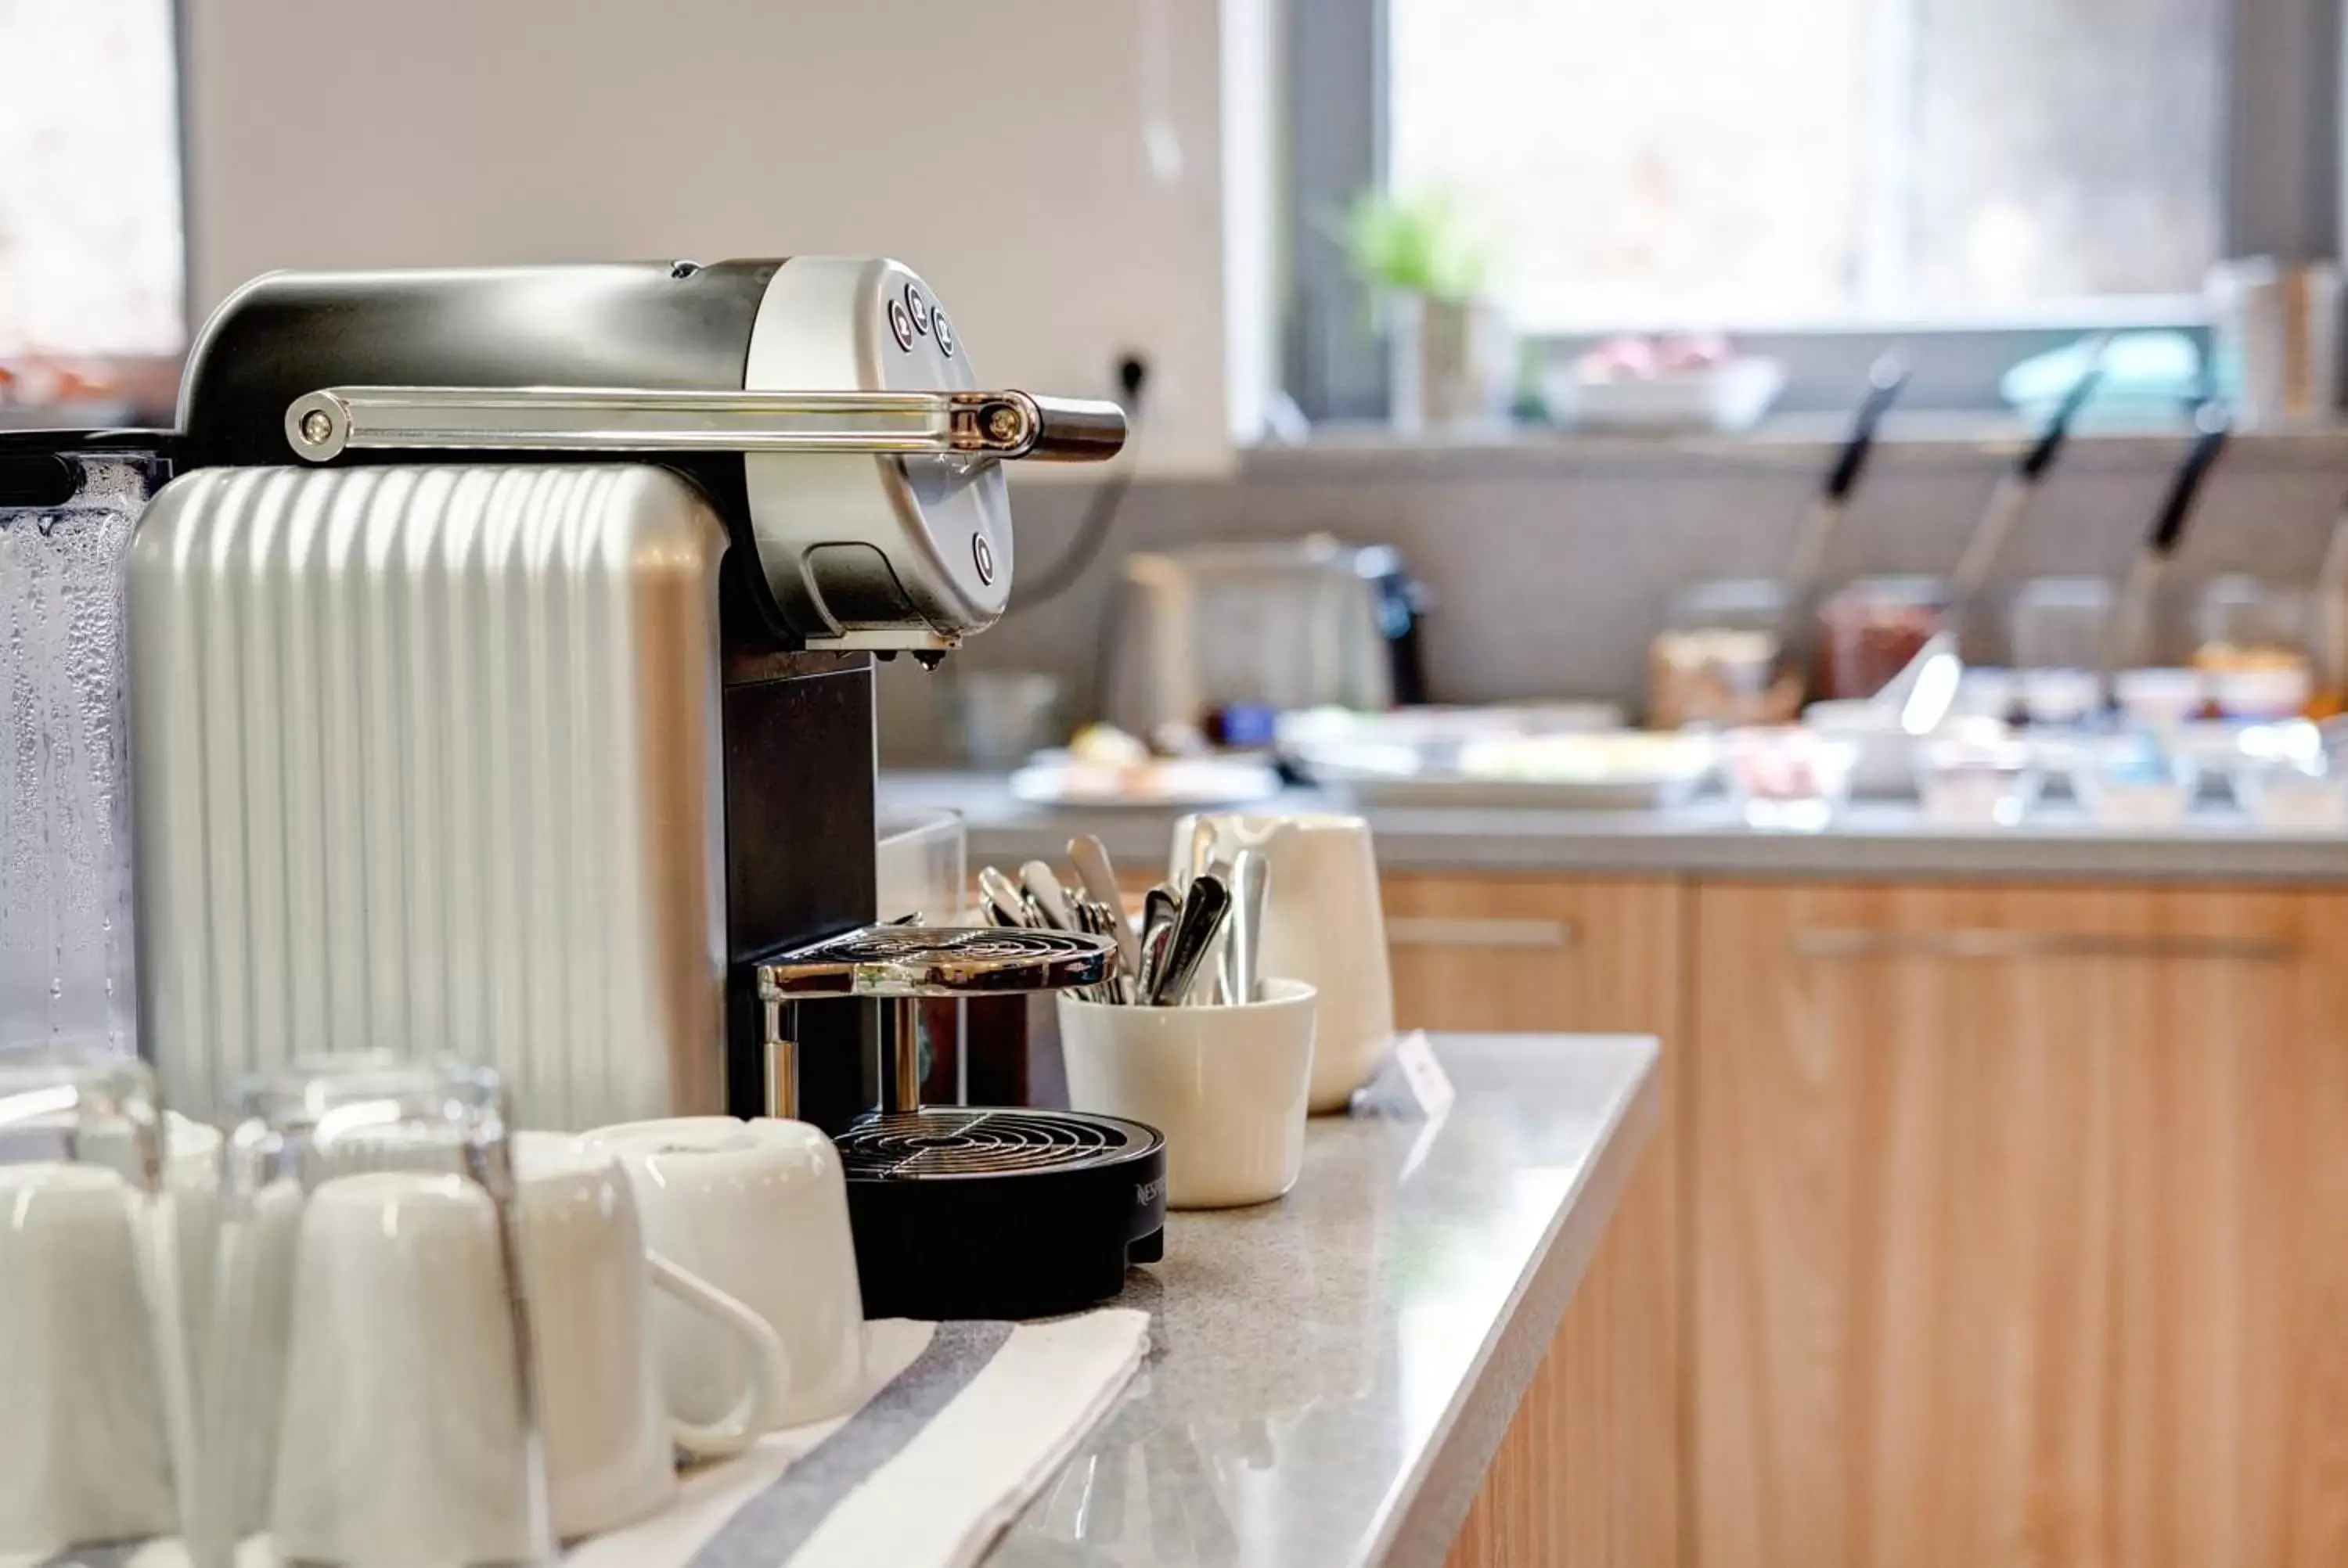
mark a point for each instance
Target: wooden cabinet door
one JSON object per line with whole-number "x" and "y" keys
{"x": 2020, "y": 1227}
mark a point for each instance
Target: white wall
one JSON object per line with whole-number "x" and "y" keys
{"x": 998, "y": 149}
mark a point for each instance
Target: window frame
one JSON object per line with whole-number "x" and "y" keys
{"x": 2281, "y": 195}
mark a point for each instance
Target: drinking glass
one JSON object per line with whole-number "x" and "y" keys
{"x": 97, "y": 1417}
{"x": 369, "y": 1387}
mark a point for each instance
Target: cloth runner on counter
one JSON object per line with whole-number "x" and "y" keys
{"x": 964, "y": 1424}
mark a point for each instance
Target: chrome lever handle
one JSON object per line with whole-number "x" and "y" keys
{"x": 1074, "y": 429}
{"x": 982, "y": 425}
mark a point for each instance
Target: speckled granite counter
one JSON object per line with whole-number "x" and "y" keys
{"x": 1871, "y": 842}
{"x": 1331, "y": 1374}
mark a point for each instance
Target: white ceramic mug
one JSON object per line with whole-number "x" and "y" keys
{"x": 402, "y": 1436}
{"x": 84, "y": 1451}
{"x": 1226, "y": 1086}
{"x": 608, "y": 1427}
{"x": 191, "y": 1174}
{"x": 1324, "y": 925}
{"x": 401, "y": 1431}
{"x": 759, "y": 1209}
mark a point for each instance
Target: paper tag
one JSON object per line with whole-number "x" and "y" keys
{"x": 1410, "y": 1085}
{"x": 1429, "y": 1083}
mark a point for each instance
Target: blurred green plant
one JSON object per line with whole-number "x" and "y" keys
{"x": 1416, "y": 244}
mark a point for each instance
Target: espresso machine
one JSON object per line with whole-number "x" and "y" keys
{"x": 501, "y": 674}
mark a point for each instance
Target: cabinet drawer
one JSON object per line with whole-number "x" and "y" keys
{"x": 1507, "y": 953}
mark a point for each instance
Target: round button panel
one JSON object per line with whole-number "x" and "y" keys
{"x": 958, "y": 512}
{"x": 913, "y": 551}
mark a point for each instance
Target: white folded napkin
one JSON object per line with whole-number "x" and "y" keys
{"x": 964, "y": 1424}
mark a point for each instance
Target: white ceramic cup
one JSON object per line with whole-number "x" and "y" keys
{"x": 84, "y": 1454}
{"x": 191, "y": 1174}
{"x": 608, "y": 1427}
{"x": 1323, "y": 925}
{"x": 1228, "y": 1086}
{"x": 758, "y": 1209}
{"x": 401, "y": 1421}
{"x": 402, "y": 1436}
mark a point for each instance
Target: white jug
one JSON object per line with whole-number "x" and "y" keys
{"x": 1323, "y": 924}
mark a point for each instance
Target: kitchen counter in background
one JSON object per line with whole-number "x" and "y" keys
{"x": 1330, "y": 1375}
{"x": 1871, "y": 842}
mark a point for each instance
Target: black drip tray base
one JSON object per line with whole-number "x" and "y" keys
{"x": 964, "y": 1212}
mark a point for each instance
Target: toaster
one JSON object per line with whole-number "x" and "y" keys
{"x": 1227, "y": 635}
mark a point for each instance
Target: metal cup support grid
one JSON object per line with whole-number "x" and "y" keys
{"x": 898, "y": 966}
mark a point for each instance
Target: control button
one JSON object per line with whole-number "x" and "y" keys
{"x": 901, "y": 323}
{"x": 918, "y": 307}
{"x": 982, "y": 554}
{"x": 943, "y": 330}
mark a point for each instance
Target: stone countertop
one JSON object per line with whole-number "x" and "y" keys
{"x": 1330, "y": 1375}
{"x": 1870, "y": 842}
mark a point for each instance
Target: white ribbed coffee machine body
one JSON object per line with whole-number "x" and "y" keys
{"x": 427, "y": 759}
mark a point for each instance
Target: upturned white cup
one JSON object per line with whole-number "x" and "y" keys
{"x": 758, "y": 1209}
{"x": 609, "y": 1430}
{"x": 402, "y": 1436}
{"x": 191, "y": 1174}
{"x": 1228, "y": 1086}
{"x": 84, "y": 1451}
{"x": 1324, "y": 925}
{"x": 401, "y": 1421}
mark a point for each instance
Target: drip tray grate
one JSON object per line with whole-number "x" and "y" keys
{"x": 947, "y": 1141}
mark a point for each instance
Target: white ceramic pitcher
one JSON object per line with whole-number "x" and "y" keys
{"x": 1323, "y": 925}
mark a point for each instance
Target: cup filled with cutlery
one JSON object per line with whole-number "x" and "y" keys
{"x": 1186, "y": 1034}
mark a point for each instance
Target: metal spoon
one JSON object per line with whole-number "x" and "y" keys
{"x": 1205, "y": 907}
{"x": 1243, "y": 947}
{"x": 1003, "y": 895}
{"x": 1087, "y": 915}
{"x": 1037, "y": 877}
{"x": 1101, "y": 921}
{"x": 1160, "y": 910}
{"x": 1202, "y": 849}
{"x": 1212, "y": 966}
{"x": 1108, "y": 920}
{"x": 1155, "y": 941}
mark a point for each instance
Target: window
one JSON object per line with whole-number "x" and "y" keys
{"x": 91, "y": 257}
{"x": 1680, "y": 163}
{"x": 1979, "y": 180}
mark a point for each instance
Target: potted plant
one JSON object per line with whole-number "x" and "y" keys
{"x": 1451, "y": 357}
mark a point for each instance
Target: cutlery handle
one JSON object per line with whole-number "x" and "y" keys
{"x": 2210, "y": 425}
{"x": 1204, "y": 908}
{"x": 1154, "y": 944}
{"x": 1886, "y": 379}
{"x": 1089, "y": 855}
{"x": 1243, "y": 951}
